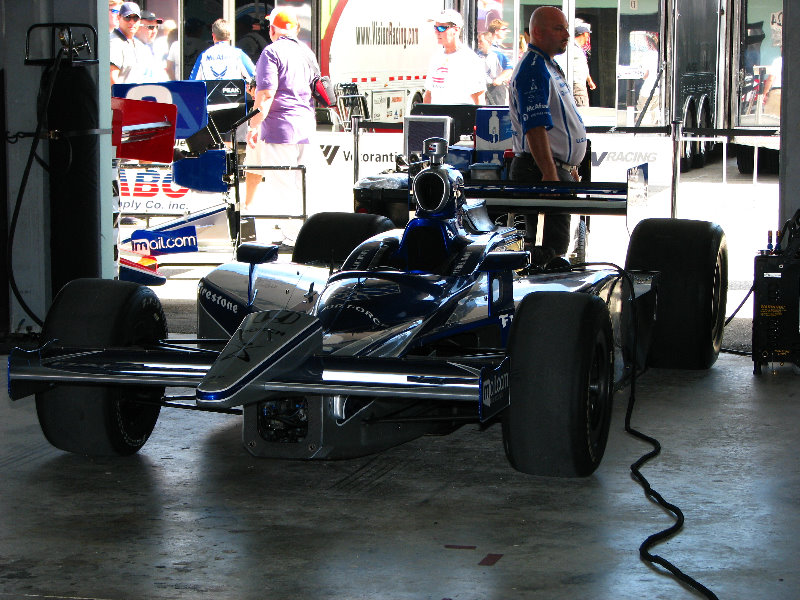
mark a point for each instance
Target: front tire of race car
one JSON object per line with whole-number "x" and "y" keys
{"x": 101, "y": 420}
{"x": 561, "y": 385}
{"x": 692, "y": 260}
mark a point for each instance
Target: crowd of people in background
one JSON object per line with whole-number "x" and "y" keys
{"x": 145, "y": 47}
{"x": 450, "y": 70}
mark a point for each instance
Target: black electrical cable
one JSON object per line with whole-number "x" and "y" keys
{"x": 52, "y": 72}
{"x": 13, "y": 138}
{"x": 665, "y": 534}
{"x": 653, "y": 495}
{"x": 729, "y": 319}
{"x": 741, "y": 304}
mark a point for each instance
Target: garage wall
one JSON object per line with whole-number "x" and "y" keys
{"x": 790, "y": 105}
{"x": 30, "y": 255}
{"x": 31, "y": 249}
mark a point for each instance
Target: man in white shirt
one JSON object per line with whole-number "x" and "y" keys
{"x": 126, "y": 51}
{"x": 147, "y": 33}
{"x": 222, "y": 61}
{"x": 455, "y": 74}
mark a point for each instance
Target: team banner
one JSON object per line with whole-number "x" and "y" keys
{"x": 153, "y": 191}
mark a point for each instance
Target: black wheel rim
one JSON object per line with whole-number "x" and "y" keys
{"x": 136, "y": 414}
{"x": 717, "y": 318}
{"x": 598, "y": 404}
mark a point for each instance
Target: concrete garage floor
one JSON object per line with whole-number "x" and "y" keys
{"x": 194, "y": 516}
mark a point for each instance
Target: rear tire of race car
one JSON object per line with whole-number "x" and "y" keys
{"x": 561, "y": 385}
{"x": 330, "y": 237}
{"x": 101, "y": 420}
{"x": 692, "y": 259}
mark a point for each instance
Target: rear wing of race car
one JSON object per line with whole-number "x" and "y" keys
{"x": 591, "y": 198}
{"x": 143, "y": 130}
{"x": 208, "y": 167}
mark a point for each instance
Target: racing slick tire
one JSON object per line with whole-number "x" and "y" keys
{"x": 692, "y": 260}
{"x": 330, "y": 237}
{"x": 561, "y": 384}
{"x": 97, "y": 420}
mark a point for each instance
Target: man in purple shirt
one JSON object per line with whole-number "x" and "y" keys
{"x": 280, "y": 132}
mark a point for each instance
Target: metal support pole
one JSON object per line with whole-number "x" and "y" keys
{"x": 355, "y": 122}
{"x": 677, "y": 134}
{"x": 725, "y": 160}
{"x": 755, "y": 163}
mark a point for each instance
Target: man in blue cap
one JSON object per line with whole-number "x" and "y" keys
{"x": 126, "y": 51}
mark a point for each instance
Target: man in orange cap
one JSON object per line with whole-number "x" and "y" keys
{"x": 281, "y": 131}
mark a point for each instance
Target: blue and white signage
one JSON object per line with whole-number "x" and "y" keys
{"x": 156, "y": 243}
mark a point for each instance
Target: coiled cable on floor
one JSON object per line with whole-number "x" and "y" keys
{"x": 654, "y": 496}
{"x": 636, "y": 474}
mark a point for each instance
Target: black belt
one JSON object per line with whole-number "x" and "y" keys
{"x": 559, "y": 163}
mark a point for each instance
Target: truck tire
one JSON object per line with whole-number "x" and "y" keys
{"x": 101, "y": 420}
{"x": 329, "y": 237}
{"x": 768, "y": 160}
{"x": 687, "y": 148}
{"x": 692, "y": 258}
{"x": 561, "y": 384}
{"x": 699, "y": 156}
{"x": 744, "y": 159}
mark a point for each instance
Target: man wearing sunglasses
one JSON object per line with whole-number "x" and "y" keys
{"x": 455, "y": 73}
{"x": 113, "y": 14}
{"x": 153, "y": 61}
{"x": 126, "y": 51}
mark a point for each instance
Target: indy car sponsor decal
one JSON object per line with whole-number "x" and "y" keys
{"x": 156, "y": 243}
{"x": 221, "y": 307}
{"x": 494, "y": 390}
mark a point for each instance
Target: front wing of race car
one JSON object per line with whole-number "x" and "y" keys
{"x": 278, "y": 353}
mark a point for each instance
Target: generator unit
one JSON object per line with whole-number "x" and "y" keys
{"x": 776, "y": 300}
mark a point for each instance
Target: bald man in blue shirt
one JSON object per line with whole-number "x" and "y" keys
{"x": 549, "y": 137}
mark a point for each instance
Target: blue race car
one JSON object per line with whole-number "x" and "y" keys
{"x": 371, "y": 336}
